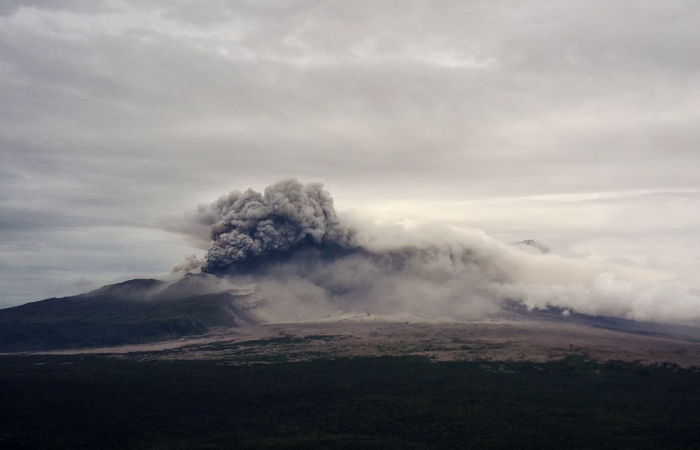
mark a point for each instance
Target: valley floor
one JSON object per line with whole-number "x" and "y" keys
{"x": 496, "y": 340}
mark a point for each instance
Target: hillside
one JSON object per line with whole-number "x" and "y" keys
{"x": 136, "y": 311}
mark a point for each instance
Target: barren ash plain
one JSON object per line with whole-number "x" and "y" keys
{"x": 203, "y": 317}
{"x": 537, "y": 340}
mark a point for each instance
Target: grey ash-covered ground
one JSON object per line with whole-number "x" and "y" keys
{"x": 503, "y": 340}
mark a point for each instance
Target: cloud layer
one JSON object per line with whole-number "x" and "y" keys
{"x": 572, "y": 123}
{"x": 291, "y": 242}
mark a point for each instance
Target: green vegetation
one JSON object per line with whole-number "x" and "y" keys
{"x": 89, "y": 402}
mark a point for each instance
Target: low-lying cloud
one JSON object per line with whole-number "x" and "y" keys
{"x": 291, "y": 242}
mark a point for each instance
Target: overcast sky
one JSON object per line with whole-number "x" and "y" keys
{"x": 574, "y": 123}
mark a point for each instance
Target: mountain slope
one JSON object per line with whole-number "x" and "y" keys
{"x": 148, "y": 310}
{"x": 132, "y": 312}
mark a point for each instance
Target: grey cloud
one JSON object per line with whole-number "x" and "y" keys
{"x": 133, "y": 112}
{"x": 291, "y": 243}
{"x": 8, "y": 7}
{"x": 385, "y": 116}
{"x": 250, "y": 225}
{"x": 26, "y": 219}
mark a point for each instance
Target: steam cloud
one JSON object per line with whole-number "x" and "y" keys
{"x": 311, "y": 264}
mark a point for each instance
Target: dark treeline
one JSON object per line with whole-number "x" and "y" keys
{"x": 81, "y": 402}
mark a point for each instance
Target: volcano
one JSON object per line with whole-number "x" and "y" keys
{"x": 143, "y": 311}
{"x": 285, "y": 256}
{"x": 132, "y": 312}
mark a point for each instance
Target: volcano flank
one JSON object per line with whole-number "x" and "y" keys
{"x": 284, "y": 259}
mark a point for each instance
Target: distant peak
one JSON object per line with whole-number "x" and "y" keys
{"x": 136, "y": 283}
{"x": 533, "y": 244}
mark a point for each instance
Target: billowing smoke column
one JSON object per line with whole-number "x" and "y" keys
{"x": 290, "y": 243}
{"x": 250, "y": 225}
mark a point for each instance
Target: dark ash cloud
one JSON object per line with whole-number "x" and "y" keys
{"x": 250, "y": 225}
{"x": 291, "y": 243}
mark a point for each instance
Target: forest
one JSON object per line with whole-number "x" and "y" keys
{"x": 89, "y": 402}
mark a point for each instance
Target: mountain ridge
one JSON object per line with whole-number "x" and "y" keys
{"x": 124, "y": 313}
{"x": 148, "y": 310}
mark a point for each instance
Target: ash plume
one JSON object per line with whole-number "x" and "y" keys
{"x": 190, "y": 264}
{"x": 293, "y": 246}
{"x": 250, "y": 225}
